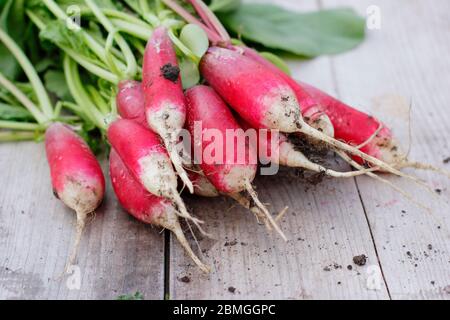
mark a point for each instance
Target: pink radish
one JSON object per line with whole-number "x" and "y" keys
{"x": 265, "y": 100}
{"x": 229, "y": 176}
{"x": 76, "y": 175}
{"x": 144, "y": 155}
{"x": 130, "y": 101}
{"x": 164, "y": 99}
{"x": 146, "y": 207}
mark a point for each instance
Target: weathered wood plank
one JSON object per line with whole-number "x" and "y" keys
{"x": 407, "y": 60}
{"x": 118, "y": 255}
{"x": 326, "y": 226}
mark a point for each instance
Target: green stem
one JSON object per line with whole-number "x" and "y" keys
{"x": 31, "y": 73}
{"x": 79, "y": 94}
{"x": 90, "y": 41}
{"x": 80, "y": 59}
{"x": 15, "y": 125}
{"x": 123, "y": 45}
{"x": 98, "y": 99}
{"x": 23, "y": 99}
{"x": 17, "y": 136}
{"x": 143, "y": 33}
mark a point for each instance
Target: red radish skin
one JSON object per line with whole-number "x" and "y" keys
{"x": 230, "y": 176}
{"x": 165, "y": 105}
{"x": 146, "y": 207}
{"x": 356, "y": 127}
{"x": 76, "y": 175}
{"x": 130, "y": 101}
{"x": 144, "y": 155}
{"x": 265, "y": 100}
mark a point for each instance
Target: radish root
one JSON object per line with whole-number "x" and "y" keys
{"x": 336, "y": 144}
{"x": 263, "y": 208}
{"x": 170, "y": 222}
{"x": 178, "y": 165}
{"x": 183, "y": 213}
{"x": 354, "y": 164}
{"x": 423, "y": 166}
{"x": 81, "y": 223}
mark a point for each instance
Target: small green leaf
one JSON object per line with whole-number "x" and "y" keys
{"x": 14, "y": 113}
{"x": 224, "y": 5}
{"x": 55, "y": 82}
{"x": 306, "y": 34}
{"x": 190, "y": 75}
{"x": 136, "y": 296}
{"x": 277, "y": 61}
{"x": 195, "y": 39}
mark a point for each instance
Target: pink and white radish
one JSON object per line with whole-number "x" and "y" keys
{"x": 76, "y": 175}
{"x": 146, "y": 158}
{"x": 163, "y": 93}
{"x": 265, "y": 100}
{"x": 234, "y": 172}
{"x": 146, "y": 207}
{"x": 130, "y": 102}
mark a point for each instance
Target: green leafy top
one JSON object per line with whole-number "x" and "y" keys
{"x": 305, "y": 34}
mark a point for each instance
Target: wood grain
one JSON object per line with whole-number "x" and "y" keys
{"x": 406, "y": 61}
{"x": 326, "y": 226}
{"x": 118, "y": 255}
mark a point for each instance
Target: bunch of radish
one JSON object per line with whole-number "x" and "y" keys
{"x": 144, "y": 120}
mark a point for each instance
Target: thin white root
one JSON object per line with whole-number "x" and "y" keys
{"x": 244, "y": 202}
{"x": 336, "y": 144}
{"x": 263, "y": 208}
{"x": 281, "y": 214}
{"x": 423, "y": 166}
{"x": 178, "y": 165}
{"x": 183, "y": 213}
{"x": 173, "y": 225}
{"x": 354, "y": 164}
{"x": 373, "y": 136}
{"x": 81, "y": 223}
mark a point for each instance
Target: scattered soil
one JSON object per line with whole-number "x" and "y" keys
{"x": 185, "y": 279}
{"x": 231, "y": 243}
{"x": 350, "y": 267}
{"x": 232, "y": 289}
{"x": 360, "y": 260}
{"x": 446, "y": 160}
{"x": 170, "y": 72}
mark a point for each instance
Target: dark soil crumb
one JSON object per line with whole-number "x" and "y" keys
{"x": 349, "y": 267}
{"x": 430, "y": 247}
{"x": 327, "y": 268}
{"x": 438, "y": 191}
{"x": 339, "y": 283}
{"x": 170, "y": 72}
{"x": 360, "y": 260}
{"x": 447, "y": 160}
{"x": 185, "y": 279}
{"x": 243, "y": 244}
{"x": 232, "y": 289}
{"x": 432, "y": 283}
{"x": 231, "y": 243}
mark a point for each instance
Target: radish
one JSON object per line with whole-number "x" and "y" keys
{"x": 130, "y": 101}
{"x": 265, "y": 100}
{"x": 234, "y": 172}
{"x": 277, "y": 148}
{"x": 146, "y": 207}
{"x": 141, "y": 151}
{"x": 76, "y": 175}
{"x": 164, "y": 99}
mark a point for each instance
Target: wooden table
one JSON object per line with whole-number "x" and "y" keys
{"x": 408, "y": 249}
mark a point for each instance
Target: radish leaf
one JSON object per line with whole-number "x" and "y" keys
{"x": 305, "y": 34}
